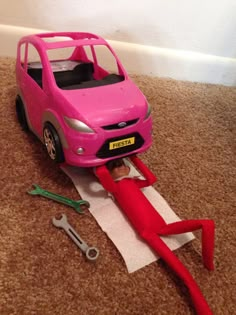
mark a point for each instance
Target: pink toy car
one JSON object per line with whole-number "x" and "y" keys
{"x": 75, "y": 95}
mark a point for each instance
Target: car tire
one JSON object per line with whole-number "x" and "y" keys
{"x": 20, "y": 113}
{"x": 52, "y": 143}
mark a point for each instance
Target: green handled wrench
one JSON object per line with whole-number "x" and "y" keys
{"x": 76, "y": 204}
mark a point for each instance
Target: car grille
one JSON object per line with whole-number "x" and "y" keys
{"x": 121, "y": 125}
{"x": 105, "y": 152}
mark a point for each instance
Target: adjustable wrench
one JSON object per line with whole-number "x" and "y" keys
{"x": 90, "y": 252}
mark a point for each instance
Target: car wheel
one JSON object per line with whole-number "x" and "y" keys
{"x": 20, "y": 113}
{"x": 53, "y": 143}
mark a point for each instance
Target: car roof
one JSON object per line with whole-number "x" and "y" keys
{"x": 73, "y": 39}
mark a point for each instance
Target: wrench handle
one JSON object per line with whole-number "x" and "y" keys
{"x": 91, "y": 253}
{"x": 77, "y": 239}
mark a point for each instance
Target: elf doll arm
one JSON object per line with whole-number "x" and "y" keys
{"x": 150, "y": 178}
{"x": 105, "y": 178}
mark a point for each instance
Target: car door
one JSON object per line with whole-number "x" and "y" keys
{"x": 33, "y": 88}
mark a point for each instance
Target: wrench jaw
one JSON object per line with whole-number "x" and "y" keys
{"x": 80, "y": 204}
{"x": 78, "y": 209}
{"x": 92, "y": 253}
{"x": 60, "y": 222}
{"x": 85, "y": 203}
{"x": 35, "y": 191}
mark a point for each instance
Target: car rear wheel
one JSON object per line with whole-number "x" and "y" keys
{"x": 53, "y": 143}
{"x": 20, "y": 113}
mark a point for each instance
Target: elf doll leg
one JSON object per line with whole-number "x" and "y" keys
{"x": 208, "y": 229}
{"x": 169, "y": 257}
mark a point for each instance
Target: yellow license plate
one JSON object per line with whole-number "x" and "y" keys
{"x": 121, "y": 143}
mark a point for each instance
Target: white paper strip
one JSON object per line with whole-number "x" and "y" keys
{"x": 134, "y": 251}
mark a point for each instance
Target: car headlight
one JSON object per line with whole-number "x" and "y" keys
{"x": 148, "y": 113}
{"x": 78, "y": 125}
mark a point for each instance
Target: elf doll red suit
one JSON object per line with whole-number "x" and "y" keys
{"x": 150, "y": 225}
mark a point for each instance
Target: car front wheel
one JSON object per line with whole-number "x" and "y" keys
{"x": 53, "y": 143}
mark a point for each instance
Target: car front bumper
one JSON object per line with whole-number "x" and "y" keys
{"x": 102, "y": 146}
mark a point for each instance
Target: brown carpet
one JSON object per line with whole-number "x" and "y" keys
{"x": 193, "y": 154}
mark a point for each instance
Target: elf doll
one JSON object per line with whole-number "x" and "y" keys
{"x": 150, "y": 225}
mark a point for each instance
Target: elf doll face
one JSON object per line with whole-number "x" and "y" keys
{"x": 118, "y": 169}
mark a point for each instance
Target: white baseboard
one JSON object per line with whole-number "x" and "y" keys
{"x": 148, "y": 60}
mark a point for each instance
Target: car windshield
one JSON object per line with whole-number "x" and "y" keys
{"x": 84, "y": 67}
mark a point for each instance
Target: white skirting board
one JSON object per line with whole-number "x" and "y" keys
{"x": 148, "y": 60}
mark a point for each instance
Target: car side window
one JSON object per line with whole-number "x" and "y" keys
{"x": 105, "y": 59}
{"x": 22, "y": 54}
{"x": 34, "y": 65}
